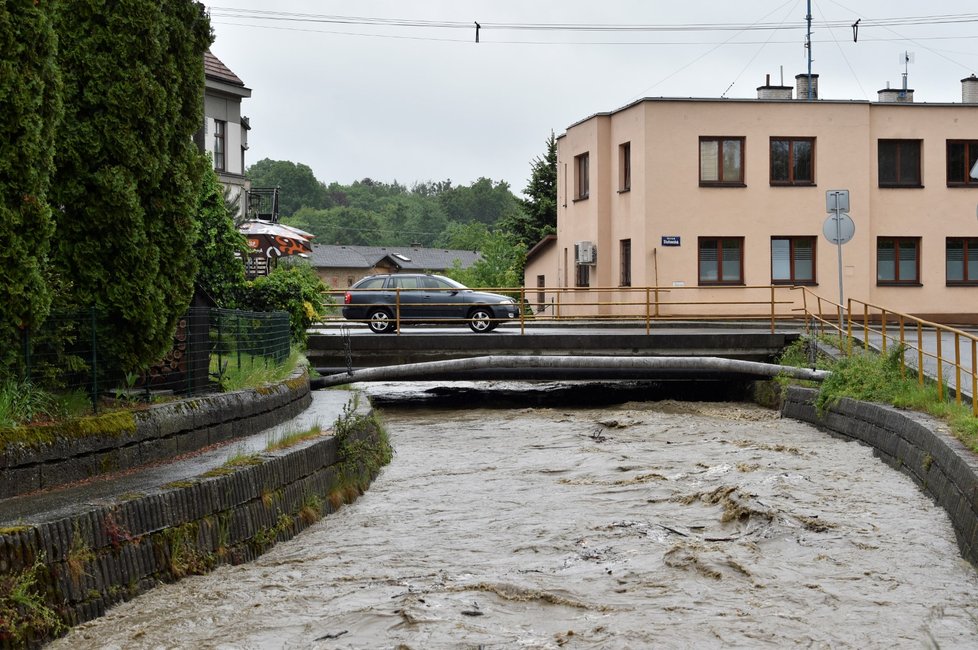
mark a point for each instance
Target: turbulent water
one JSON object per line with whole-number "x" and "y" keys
{"x": 661, "y": 524}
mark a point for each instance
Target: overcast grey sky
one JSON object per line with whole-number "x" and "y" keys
{"x": 415, "y": 101}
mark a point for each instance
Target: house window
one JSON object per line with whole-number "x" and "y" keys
{"x": 962, "y": 157}
{"x": 583, "y": 278}
{"x": 581, "y": 172}
{"x": 961, "y": 254}
{"x": 898, "y": 260}
{"x": 625, "y": 247}
{"x": 721, "y": 161}
{"x": 541, "y": 294}
{"x": 899, "y": 163}
{"x": 220, "y": 134}
{"x": 793, "y": 260}
{"x": 721, "y": 260}
{"x": 792, "y": 161}
{"x": 625, "y": 167}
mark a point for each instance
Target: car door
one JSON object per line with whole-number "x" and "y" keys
{"x": 444, "y": 298}
{"x": 412, "y": 297}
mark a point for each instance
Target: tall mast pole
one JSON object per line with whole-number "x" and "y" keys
{"x": 808, "y": 46}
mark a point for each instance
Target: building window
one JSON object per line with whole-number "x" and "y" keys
{"x": 793, "y": 260}
{"x": 721, "y": 161}
{"x": 625, "y": 248}
{"x": 899, "y": 163}
{"x": 962, "y": 157}
{"x": 792, "y": 161}
{"x": 581, "y": 173}
{"x": 583, "y": 278}
{"x": 721, "y": 260}
{"x": 583, "y": 275}
{"x": 220, "y": 135}
{"x": 541, "y": 294}
{"x": 961, "y": 255}
{"x": 898, "y": 260}
{"x": 625, "y": 167}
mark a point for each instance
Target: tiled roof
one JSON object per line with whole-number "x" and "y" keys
{"x": 405, "y": 257}
{"x": 215, "y": 69}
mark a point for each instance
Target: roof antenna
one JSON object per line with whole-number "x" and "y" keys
{"x": 477, "y": 28}
{"x": 906, "y": 58}
{"x": 808, "y": 46}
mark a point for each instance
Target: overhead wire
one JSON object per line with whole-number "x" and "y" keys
{"x": 283, "y": 16}
{"x": 758, "y": 52}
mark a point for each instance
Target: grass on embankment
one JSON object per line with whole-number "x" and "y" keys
{"x": 873, "y": 377}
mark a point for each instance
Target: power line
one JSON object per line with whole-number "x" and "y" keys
{"x": 412, "y": 23}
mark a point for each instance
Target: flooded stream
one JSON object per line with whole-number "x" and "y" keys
{"x": 644, "y": 525}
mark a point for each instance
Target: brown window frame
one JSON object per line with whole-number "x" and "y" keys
{"x": 969, "y": 277}
{"x": 582, "y": 176}
{"x": 719, "y": 249}
{"x": 625, "y": 262}
{"x": 720, "y": 140}
{"x": 791, "y": 180}
{"x": 970, "y": 159}
{"x": 900, "y": 143}
{"x": 898, "y": 281}
{"x": 793, "y": 280}
{"x": 624, "y": 167}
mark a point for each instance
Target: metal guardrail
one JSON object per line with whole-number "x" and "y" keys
{"x": 921, "y": 338}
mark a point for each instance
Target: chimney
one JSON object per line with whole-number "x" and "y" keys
{"x": 969, "y": 90}
{"x": 767, "y": 91}
{"x": 895, "y": 95}
{"x": 801, "y": 81}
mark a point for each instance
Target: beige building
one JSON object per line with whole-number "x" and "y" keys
{"x": 727, "y": 193}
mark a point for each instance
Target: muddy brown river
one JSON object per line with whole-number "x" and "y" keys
{"x": 645, "y": 525}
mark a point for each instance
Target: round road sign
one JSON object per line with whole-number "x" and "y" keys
{"x": 839, "y": 228}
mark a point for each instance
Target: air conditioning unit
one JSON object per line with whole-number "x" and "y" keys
{"x": 587, "y": 252}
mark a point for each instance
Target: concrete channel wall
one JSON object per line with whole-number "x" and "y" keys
{"x": 917, "y": 445}
{"x": 99, "y": 555}
{"x": 123, "y": 440}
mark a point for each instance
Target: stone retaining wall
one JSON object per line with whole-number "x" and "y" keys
{"x": 122, "y": 440}
{"x": 918, "y": 445}
{"x": 86, "y": 562}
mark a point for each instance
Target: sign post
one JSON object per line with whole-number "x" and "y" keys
{"x": 838, "y": 229}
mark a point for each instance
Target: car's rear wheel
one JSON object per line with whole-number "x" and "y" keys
{"x": 481, "y": 320}
{"x": 380, "y": 321}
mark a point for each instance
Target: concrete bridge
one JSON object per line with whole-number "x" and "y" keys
{"x": 601, "y": 351}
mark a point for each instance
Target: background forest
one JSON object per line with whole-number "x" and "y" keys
{"x": 430, "y": 213}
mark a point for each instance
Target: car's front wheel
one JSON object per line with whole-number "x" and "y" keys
{"x": 481, "y": 320}
{"x": 380, "y": 321}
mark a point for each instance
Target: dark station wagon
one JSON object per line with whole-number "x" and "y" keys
{"x": 383, "y": 301}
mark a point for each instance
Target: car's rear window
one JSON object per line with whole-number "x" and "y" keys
{"x": 372, "y": 283}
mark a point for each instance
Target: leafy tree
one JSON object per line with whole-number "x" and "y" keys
{"x": 500, "y": 264}
{"x": 539, "y": 215}
{"x": 291, "y": 287}
{"x": 348, "y": 225}
{"x": 30, "y": 103}
{"x": 220, "y": 272}
{"x": 483, "y": 201}
{"x": 127, "y": 173}
{"x": 299, "y": 186}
